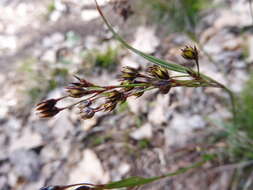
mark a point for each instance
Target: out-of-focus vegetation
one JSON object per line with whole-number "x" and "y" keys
{"x": 179, "y": 15}
{"x": 40, "y": 81}
{"x": 241, "y": 135}
{"x": 107, "y": 59}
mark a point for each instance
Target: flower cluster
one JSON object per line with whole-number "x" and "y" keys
{"x": 93, "y": 98}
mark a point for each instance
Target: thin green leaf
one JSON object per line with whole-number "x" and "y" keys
{"x": 137, "y": 181}
{"x": 157, "y": 61}
{"x": 130, "y": 182}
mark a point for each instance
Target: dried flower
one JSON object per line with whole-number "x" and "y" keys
{"x": 158, "y": 72}
{"x": 190, "y": 53}
{"x": 78, "y": 92}
{"x": 47, "y": 108}
{"x": 109, "y": 106}
{"x": 163, "y": 85}
{"x": 49, "y": 113}
{"x": 82, "y": 83}
{"x": 87, "y": 113}
{"x": 46, "y": 105}
{"x": 129, "y": 73}
{"x": 115, "y": 96}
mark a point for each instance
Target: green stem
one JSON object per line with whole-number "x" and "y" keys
{"x": 231, "y": 97}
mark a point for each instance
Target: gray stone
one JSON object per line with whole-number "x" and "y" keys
{"x": 26, "y": 164}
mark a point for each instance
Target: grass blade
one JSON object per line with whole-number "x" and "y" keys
{"x": 138, "y": 181}
{"x": 157, "y": 61}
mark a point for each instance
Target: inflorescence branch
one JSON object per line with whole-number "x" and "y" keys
{"x": 133, "y": 83}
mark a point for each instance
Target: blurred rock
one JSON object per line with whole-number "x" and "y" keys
{"x": 137, "y": 105}
{"x": 124, "y": 168}
{"x": 250, "y": 47}
{"x": 159, "y": 111}
{"x": 4, "y": 183}
{"x": 130, "y": 62}
{"x": 88, "y": 124}
{"x": 144, "y": 132}
{"x": 27, "y": 140}
{"x": 196, "y": 122}
{"x": 89, "y": 170}
{"x": 26, "y": 164}
{"x": 61, "y": 125}
{"x": 146, "y": 40}
{"x": 88, "y": 15}
{"x": 183, "y": 127}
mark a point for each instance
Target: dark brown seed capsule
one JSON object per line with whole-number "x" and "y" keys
{"x": 115, "y": 96}
{"x": 49, "y": 113}
{"x": 46, "y": 105}
{"x": 87, "y": 113}
{"x": 164, "y": 86}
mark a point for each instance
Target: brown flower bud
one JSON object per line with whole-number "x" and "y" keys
{"x": 158, "y": 72}
{"x": 129, "y": 73}
{"x": 49, "y": 113}
{"x": 163, "y": 85}
{"x": 46, "y": 105}
{"x": 115, "y": 96}
{"x": 47, "y": 109}
{"x": 82, "y": 83}
{"x": 87, "y": 113}
{"x": 190, "y": 53}
{"x": 78, "y": 92}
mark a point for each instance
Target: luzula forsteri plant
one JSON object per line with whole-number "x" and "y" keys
{"x": 93, "y": 98}
{"x": 133, "y": 83}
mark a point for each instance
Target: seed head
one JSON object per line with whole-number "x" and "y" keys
{"x": 158, "y": 72}
{"x": 164, "y": 86}
{"x": 87, "y": 113}
{"x": 77, "y": 92}
{"x": 49, "y": 113}
{"x": 47, "y": 109}
{"x": 190, "y": 53}
{"x": 46, "y": 105}
{"x": 129, "y": 73}
{"x": 82, "y": 83}
{"x": 115, "y": 96}
{"x": 109, "y": 106}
